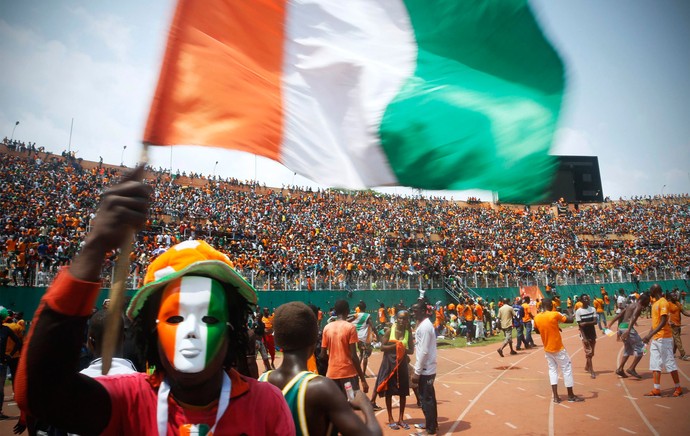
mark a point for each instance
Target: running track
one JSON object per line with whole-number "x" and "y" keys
{"x": 479, "y": 392}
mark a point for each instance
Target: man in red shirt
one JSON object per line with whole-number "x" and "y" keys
{"x": 189, "y": 322}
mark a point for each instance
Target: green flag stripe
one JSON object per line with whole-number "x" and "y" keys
{"x": 217, "y": 307}
{"x": 481, "y": 109}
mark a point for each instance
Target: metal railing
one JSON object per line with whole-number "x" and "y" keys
{"x": 455, "y": 284}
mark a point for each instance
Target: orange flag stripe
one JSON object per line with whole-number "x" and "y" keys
{"x": 214, "y": 81}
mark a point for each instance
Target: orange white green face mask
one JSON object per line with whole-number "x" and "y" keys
{"x": 192, "y": 322}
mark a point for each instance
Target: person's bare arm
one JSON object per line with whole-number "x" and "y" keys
{"x": 618, "y": 316}
{"x": 323, "y": 394}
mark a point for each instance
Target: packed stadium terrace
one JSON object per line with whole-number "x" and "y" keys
{"x": 291, "y": 238}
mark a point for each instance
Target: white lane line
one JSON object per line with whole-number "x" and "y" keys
{"x": 12, "y": 404}
{"x": 629, "y": 397}
{"x": 522, "y": 389}
{"x": 578, "y": 383}
{"x": 479, "y": 395}
{"x": 563, "y": 405}
{"x": 457, "y": 393}
{"x": 662, "y": 406}
{"x": 633, "y": 402}
{"x": 593, "y": 417}
{"x": 445, "y": 386}
{"x": 627, "y": 431}
{"x": 511, "y": 425}
{"x": 408, "y": 416}
{"x": 602, "y": 389}
{"x": 540, "y": 372}
{"x": 551, "y": 431}
{"x": 489, "y": 412}
{"x": 541, "y": 396}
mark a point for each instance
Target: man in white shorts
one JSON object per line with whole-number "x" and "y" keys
{"x": 546, "y": 324}
{"x": 661, "y": 345}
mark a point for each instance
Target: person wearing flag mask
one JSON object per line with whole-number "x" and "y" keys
{"x": 188, "y": 320}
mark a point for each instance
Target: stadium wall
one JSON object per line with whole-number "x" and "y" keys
{"x": 26, "y": 299}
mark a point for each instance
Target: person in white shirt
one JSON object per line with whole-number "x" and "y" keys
{"x": 425, "y": 366}
{"x": 94, "y": 344}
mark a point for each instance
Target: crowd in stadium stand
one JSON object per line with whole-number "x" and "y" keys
{"x": 301, "y": 238}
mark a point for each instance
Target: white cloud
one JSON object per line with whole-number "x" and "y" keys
{"x": 572, "y": 142}
{"x": 110, "y": 29}
{"x": 107, "y": 99}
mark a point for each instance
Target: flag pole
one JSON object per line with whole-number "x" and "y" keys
{"x": 113, "y": 320}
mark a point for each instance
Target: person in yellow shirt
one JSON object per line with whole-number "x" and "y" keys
{"x": 556, "y": 303}
{"x": 527, "y": 322}
{"x": 578, "y": 303}
{"x": 546, "y": 323}
{"x": 598, "y": 304}
{"x": 661, "y": 345}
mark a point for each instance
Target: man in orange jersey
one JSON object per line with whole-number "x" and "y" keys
{"x": 661, "y": 345}
{"x": 339, "y": 347}
{"x": 675, "y": 310}
{"x": 556, "y": 355}
{"x": 527, "y": 322}
{"x": 468, "y": 314}
{"x": 598, "y": 304}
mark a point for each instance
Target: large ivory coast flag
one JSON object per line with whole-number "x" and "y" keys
{"x": 442, "y": 94}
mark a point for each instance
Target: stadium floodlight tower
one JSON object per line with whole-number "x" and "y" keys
{"x": 13, "y": 129}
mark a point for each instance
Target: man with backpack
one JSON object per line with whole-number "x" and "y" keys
{"x": 518, "y": 324}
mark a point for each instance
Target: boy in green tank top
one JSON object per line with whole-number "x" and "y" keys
{"x": 317, "y": 404}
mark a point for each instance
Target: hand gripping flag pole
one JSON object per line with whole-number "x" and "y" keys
{"x": 113, "y": 321}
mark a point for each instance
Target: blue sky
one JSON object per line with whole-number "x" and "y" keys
{"x": 628, "y": 99}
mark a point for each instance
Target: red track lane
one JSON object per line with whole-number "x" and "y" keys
{"x": 479, "y": 392}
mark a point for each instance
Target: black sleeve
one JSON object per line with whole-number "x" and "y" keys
{"x": 55, "y": 391}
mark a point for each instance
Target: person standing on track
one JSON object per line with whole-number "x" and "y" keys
{"x": 632, "y": 343}
{"x": 586, "y": 318}
{"x": 675, "y": 310}
{"x": 505, "y": 317}
{"x": 393, "y": 377}
{"x": 527, "y": 322}
{"x": 601, "y": 314}
{"x": 339, "y": 347}
{"x": 425, "y": 367}
{"x": 661, "y": 345}
{"x": 269, "y": 342}
{"x": 556, "y": 355}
